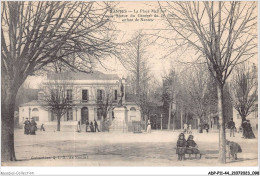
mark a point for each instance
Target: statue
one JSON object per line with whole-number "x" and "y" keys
{"x": 121, "y": 94}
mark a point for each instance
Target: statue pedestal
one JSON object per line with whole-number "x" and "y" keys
{"x": 119, "y": 123}
{"x": 120, "y": 113}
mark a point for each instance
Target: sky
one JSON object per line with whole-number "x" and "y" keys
{"x": 130, "y": 17}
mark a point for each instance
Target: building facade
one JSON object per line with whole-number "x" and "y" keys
{"x": 83, "y": 91}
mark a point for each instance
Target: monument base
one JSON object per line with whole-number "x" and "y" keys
{"x": 119, "y": 123}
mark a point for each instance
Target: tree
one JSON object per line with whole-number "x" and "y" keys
{"x": 37, "y": 34}
{"x": 222, "y": 33}
{"x": 170, "y": 84}
{"x": 244, "y": 86}
{"x": 196, "y": 84}
{"x": 106, "y": 101}
{"x": 134, "y": 58}
{"x": 57, "y": 98}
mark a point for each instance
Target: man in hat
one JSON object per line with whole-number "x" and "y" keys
{"x": 96, "y": 126}
{"x": 27, "y": 126}
{"x": 231, "y": 126}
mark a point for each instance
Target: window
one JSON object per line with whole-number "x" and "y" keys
{"x": 132, "y": 113}
{"x": 132, "y": 109}
{"x": 115, "y": 94}
{"x": 69, "y": 94}
{"x": 99, "y": 94}
{"x": 35, "y": 109}
{"x": 69, "y": 115}
{"x": 53, "y": 117}
{"x": 85, "y": 95}
{"x": 99, "y": 113}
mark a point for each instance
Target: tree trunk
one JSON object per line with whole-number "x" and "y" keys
{"x": 222, "y": 134}
{"x": 169, "y": 119}
{"x": 181, "y": 120}
{"x": 58, "y": 122}
{"x": 243, "y": 118}
{"x": 9, "y": 91}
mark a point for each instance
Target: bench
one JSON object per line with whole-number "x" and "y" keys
{"x": 190, "y": 151}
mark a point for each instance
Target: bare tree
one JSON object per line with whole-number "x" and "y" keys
{"x": 36, "y": 34}
{"x": 134, "y": 58}
{"x": 170, "y": 90}
{"x": 224, "y": 33}
{"x": 244, "y": 86}
{"x": 57, "y": 98}
{"x": 106, "y": 101}
{"x": 197, "y": 82}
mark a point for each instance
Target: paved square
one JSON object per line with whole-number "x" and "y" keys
{"x": 122, "y": 149}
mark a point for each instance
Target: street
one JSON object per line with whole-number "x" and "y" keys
{"x": 122, "y": 149}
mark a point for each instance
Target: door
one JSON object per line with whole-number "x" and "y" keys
{"x": 84, "y": 115}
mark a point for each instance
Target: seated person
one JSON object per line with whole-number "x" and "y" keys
{"x": 192, "y": 147}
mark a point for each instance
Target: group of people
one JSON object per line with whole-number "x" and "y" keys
{"x": 245, "y": 127}
{"x": 247, "y": 130}
{"x": 30, "y": 127}
{"x": 187, "y": 128}
{"x": 92, "y": 127}
{"x": 186, "y": 146}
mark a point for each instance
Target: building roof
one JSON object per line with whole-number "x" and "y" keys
{"x": 96, "y": 75}
{"x": 31, "y": 103}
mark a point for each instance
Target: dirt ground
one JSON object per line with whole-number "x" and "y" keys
{"x": 123, "y": 149}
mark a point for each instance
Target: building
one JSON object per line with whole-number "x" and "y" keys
{"x": 83, "y": 92}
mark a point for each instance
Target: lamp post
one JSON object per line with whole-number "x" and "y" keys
{"x": 161, "y": 121}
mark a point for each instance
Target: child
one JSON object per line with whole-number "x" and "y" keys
{"x": 232, "y": 149}
{"x": 192, "y": 147}
{"x": 181, "y": 146}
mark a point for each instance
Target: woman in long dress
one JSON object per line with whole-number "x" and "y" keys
{"x": 78, "y": 127}
{"x": 33, "y": 127}
{"x": 149, "y": 127}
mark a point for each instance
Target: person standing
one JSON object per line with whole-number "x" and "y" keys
{"x": 250, "y": 133}
{"x": 87, "y": 125}
{"x": 91, "y": 126}
{"x": 189, "y": 129}
{"x": 149, "y": 127}
{"x": 207, "y": 127}
{"x": 181, "y": 147}
{"x": 27, "y": 126}
{"x": 33, "y": 127}
{"x": 185, "y": 126}
{"x": 42, "y": 128}
{"x": 78, "y": 127}
{"x": 244, "y": 127}
{"x": 96, "y": 126}
{"x": 231, "y": 126}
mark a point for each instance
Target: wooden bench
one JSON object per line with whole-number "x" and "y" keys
{"x": 190, "y": 152}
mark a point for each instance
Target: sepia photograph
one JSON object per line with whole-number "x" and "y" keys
{"x": 139, "y": 84}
